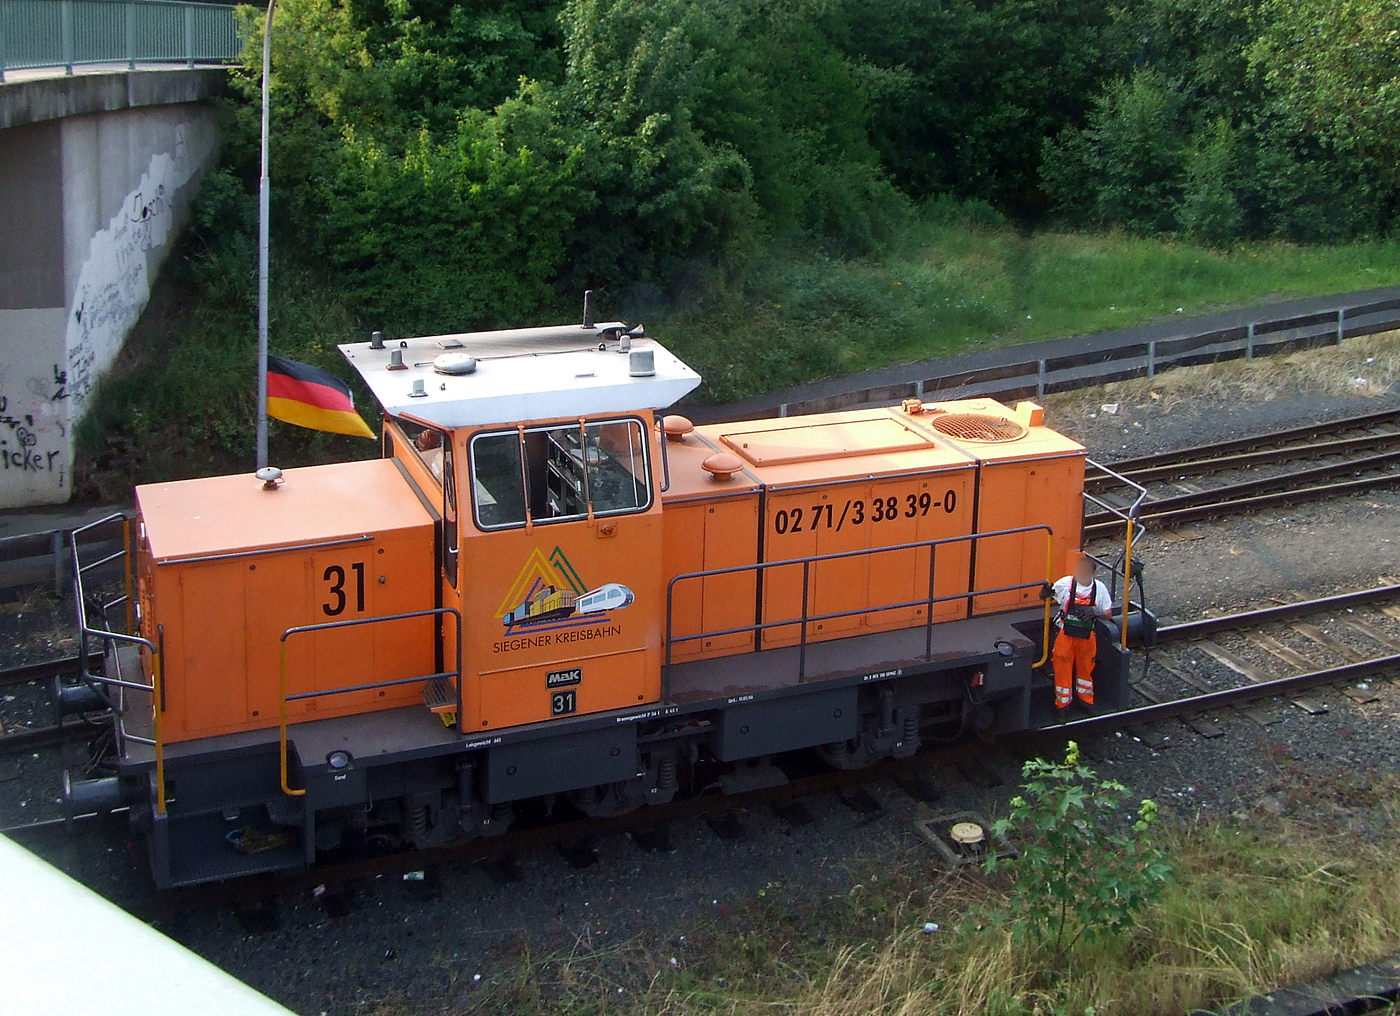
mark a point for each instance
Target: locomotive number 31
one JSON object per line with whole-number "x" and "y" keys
{"x": 338, "y": 598}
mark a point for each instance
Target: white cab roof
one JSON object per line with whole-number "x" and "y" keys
{"x": 521, "y": 375}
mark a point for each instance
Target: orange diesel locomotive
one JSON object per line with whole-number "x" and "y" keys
{"x": 547, "y": 588}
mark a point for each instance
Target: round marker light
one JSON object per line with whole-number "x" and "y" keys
{"x": 454, "y": 364}
{"x": 338, "y": 760}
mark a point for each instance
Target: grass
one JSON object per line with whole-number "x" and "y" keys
{"x": 1260, "y": 902}
{"x": 180, "y": 400}
{"x": 953, "y": 283}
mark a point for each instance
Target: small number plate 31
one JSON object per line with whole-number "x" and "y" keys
{"x": 562, "y": 703}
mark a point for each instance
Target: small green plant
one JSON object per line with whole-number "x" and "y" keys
{"x": 1085, "y": 871}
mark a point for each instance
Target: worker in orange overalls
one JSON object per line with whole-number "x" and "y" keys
{"x": 1082, "y": 599}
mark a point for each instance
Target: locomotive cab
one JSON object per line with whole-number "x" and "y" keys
{"x": 552, "y": 551}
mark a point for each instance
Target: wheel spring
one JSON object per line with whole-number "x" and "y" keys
{"x": 666, "y": 773}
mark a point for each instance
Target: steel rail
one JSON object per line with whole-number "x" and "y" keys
{"x": 1225, "y": 697}
{"x": 1221, "y": 448}
{"x": 33, "y": 738}
{"x": 1282, "y": 612}
{"x": 44, "y": 669}
{"x": 1246, "y": 504}
{"x": 1247, "y": 460}
{"x": 505, "y": 846}
{"x": 260, "y": 886}
{"x": 1233, "y": 492}
{"x": 240, "y": 890}
{"x": 255, "y": 887}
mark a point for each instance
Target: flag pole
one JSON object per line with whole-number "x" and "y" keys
{"x": 263, "y": 190}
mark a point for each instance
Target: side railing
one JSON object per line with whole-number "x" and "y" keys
{"x": 806, "y": 617}
{"x": 455, "y": 675}
{"x": 1133, "y": 531}
{"x": 106, "y": 684}
{"x": 70, "y": 33}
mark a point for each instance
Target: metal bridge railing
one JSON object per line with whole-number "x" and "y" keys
{"x": 68, "y": 33}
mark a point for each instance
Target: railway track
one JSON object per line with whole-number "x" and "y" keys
{"x": 1275, "y": 655}
{"x": 1265, "y": 471}
{"x": 1231, "y": 680}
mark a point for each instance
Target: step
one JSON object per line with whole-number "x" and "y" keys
{"x": 440, "y": 696}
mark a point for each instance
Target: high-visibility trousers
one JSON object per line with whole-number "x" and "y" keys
{"x": 1074, "y": 662}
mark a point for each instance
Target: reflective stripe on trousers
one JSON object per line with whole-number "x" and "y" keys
{"x": 1074, "y": 669}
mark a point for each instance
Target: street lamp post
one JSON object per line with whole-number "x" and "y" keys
{"x": 263, "y": 191}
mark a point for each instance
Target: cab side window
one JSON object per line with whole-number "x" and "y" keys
{"x": 554, "y": 474}
{"x": 434, "y": 449}
{"x": 617, "y": 472}
{"x": 498, "y": 494}
{"x": 428, "y": 444}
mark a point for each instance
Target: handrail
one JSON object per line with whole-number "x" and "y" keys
{"x": 1129, "y": 514}
{"x": 154, "y": 689}
{"x": 351, "y": 623}
{"x": 69, "y": 33}
{"x": 1133, "y": 532}
{"x": 806, "y": 618}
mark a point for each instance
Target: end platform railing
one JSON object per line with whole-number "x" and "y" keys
{"x": 103, "y": 684}
{"x": 1122, "y": 566}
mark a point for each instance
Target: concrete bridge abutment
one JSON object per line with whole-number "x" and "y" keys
{"x": 96, "y": 175}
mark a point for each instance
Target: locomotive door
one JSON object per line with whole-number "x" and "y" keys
{"x": 344, "y": 583}
{"x": 564, "y": 554}
{"x": 434, "y": 457}
{"x": 451, "y": 555}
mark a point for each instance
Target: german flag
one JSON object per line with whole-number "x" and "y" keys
{"x": 310, "y": 397}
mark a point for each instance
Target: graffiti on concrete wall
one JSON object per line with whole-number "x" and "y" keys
{"x": 114, "y": 283}
{"x": 54, "y": 356}
{"x": 33, "y": 436}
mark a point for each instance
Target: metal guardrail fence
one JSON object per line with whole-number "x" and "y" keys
{"x": 68, "y": 33}
{"x": 1009, "y": 373}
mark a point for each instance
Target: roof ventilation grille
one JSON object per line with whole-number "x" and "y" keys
{"x": 974, "y": 427}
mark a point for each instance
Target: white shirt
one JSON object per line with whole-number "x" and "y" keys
{"x": 1102, "y": 604}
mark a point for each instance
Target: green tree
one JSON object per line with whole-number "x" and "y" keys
{"x": 1085, "y": 871}
{"x": 1209, "y": 209}
{"x": 967, "y": 90}
{"x": 1338, "y": 63}
{"x": 1128, "y": 166}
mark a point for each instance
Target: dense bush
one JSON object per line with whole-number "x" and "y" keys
{"x": 470, "y": 164}
{"x": 1263, "y": 118}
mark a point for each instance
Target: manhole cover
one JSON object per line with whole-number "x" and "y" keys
{"x": 972, "y": 427}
